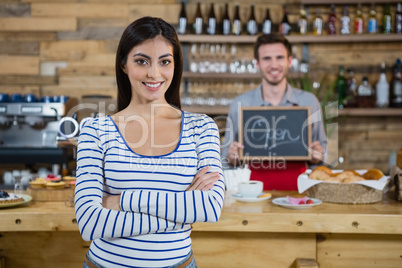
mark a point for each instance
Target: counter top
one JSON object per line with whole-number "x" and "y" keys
{"x": 383, "y": 217}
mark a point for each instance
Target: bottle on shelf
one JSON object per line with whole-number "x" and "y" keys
{"x": 318, "y": 23}
{"x": 267, "y": 23}
{"x": 351, "y": 88}
{"x": 345, "y": 21}
{"x": 340, "y": 87}
{"x": 182, "y": 28}
{"x": 332, "y": 21}
{"x": 396, "y": 86}
{"x": 365, "y": 94}
{"x": 294, "y": 64}
{"x": 237, "y": 24}
{"x": 398, "y": 18}
{"x": 387, "y": 20}
{"x": 284, "y": 27}
{"x": 359, "y": 22}
{"x": 302, "y": 22}
{"x": 372, "y": 25}
{"x": 198, "y": 24}
{"x": 211, "y": 28}
{"x": 252, "y": 27}
{"x": 226, "y": 24}
{"x": 382, "y": 89}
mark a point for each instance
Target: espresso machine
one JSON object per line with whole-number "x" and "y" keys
{"x": 29, "y": 129}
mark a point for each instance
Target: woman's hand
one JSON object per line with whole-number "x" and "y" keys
{"x": 111, "y": 202}
{"x": 203, "y": 181}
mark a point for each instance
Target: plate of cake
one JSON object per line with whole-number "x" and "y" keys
{"x": 12, "y": 200}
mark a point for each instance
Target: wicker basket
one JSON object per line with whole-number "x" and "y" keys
{"x": 345, "y": 193}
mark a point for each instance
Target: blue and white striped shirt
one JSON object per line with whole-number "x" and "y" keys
{"x": 153, "y": 230}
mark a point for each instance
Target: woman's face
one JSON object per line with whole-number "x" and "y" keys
{"x": 150, "y": 68}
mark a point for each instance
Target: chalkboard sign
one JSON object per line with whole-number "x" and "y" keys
{"x": 275, "y": 133}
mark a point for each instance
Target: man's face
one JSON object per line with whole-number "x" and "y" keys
{"x": 273, "y": 62}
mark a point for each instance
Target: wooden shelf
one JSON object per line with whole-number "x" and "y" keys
{"x": 374, "y": 112}
{"x": 353, "y": 38}
{"x": 345, "y": 2}
{"x": 371, "y": 112}
{"x": 220, "y": 75}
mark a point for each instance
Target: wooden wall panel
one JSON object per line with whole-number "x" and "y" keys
{"x": 79, "y": 10}
{"x": 27, "y": 36}
{"x": 26, "y": 48}
{"x": 69, "y": 50}
{"x": 19, "y": 65}
{"x": 38, "y": 24}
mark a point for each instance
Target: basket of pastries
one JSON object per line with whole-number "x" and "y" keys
{"x": 344, "y": 186}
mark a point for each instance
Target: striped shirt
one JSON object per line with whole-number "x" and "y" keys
{"x": 153, "y": 229}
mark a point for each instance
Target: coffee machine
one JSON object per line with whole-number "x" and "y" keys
{"x": 30, "y": 124}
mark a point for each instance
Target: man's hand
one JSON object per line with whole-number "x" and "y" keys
{"x": 316, "y": 152}
{"x": 203, "y": 181}
{"x": 233, "y": 156}
{"x": 111, "y": 202}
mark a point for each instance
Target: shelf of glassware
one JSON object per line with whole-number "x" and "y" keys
{"x": 296, "y": 38}
{"x": 346, "y": 2}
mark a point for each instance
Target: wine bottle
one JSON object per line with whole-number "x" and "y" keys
{"x": 351, "y": 89}
{"x": 332, "y": 21}
{"x": 302, "y": 23}
{"x": 267, "y": 23}
{"x": 345, "y": 21}
{"x": 237, "y": 24}
{"x": 372, "y": 21}
{"x": 285, "y": 25}
{"x": 226, "y": 24}
{"x": 252, "y": 27}
{"x": 341, "y": 87}
{"x": 396, "y": 85}
{"x": 359, "y": 23}
{"x": 211, "y": 29}
{"x": 387, "y": 20}
{"x": 365, "y": 94}
{"x": 382, "y": 89}
{"x": 182, "y": 19}
{"x": 198, "y": 24}
{"x": 398, "y": 19}
{"x": 318, "y": 23}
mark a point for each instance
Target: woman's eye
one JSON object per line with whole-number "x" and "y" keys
{"x": 165, "y": 62}
{"x": 141, "y": 62}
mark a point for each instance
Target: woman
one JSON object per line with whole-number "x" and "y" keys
{"x": 150, "y": 170}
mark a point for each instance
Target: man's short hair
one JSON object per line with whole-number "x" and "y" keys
{"x": 272, "y": 38}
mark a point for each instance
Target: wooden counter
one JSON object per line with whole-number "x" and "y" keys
{"x": 247, "y": 235}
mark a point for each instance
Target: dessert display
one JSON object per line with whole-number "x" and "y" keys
{"x": 55, "y": 185}
{"x": 8, "y": 198}
{"x": 38, "y": 183}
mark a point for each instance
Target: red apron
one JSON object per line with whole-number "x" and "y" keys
{"x": 281, "y": 179}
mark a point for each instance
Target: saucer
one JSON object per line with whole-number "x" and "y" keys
{"x": 284, "y": 202}
{"x": 240, "y": 198}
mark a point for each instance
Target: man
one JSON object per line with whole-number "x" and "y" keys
{"x": 273, "y": 55}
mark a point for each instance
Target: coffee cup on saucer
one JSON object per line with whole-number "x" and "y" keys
{"x": 250, "y": 189}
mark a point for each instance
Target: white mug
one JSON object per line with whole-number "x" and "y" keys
{"x": 250, "y": 189}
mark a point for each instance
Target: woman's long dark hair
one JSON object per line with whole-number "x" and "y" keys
{"x": 137, "y": 32}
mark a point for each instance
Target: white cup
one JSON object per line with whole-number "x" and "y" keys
{"x": 250, "y": 189}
